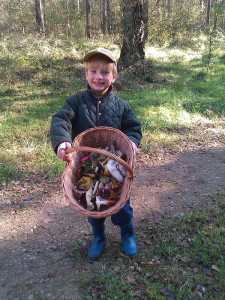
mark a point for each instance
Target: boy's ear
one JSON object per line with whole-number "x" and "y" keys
{"x": 114, "y": 78}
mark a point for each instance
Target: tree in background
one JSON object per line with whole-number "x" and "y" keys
{"x": 88, "y": 20}
{"x": 146, "y": 18}
{"x": 105, "y": 16}
{"x": 39, "y": 16}
{"x": 207, "y": 21}
{"x": 134, "y": 37}
{"x": 164, "y": 22}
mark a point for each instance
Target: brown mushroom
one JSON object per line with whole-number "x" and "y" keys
{"x": 84, "y": 183}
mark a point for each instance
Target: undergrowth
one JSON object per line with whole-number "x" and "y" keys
{"x": 178, "y": 259}
{"x": 171, "y": 94}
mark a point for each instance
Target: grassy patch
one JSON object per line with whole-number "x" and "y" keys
{"x": 9, "y": 172}
{"x": 178, "y": 259}
{"x": 173, "y": 96}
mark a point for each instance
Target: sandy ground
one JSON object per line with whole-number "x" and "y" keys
{"x": 39, "y": 228}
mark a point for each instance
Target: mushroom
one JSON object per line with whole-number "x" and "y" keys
{"x": 84, "y": 183}
{"x": 122, "y": 169}
{"x": 106, "y": 170}
{"x": 99, "y": 168}
{"x": 100, "y": 202}
{"x": 93, "y": 159}
{"x": 101, "y": 185}
{"x": 78, "y": 192}
{"x": 104, "y": 192}
{"x": 113, "y": 169}
{"x": 115, "y": 187}
{"x": 104, "y": 179}
{"x": 83, "y": 200}
{"x": 89, "y": 195}
{"x": 89, "y": 175}
{"x": 114, "y": 196}
{"x": 112, "y": 147}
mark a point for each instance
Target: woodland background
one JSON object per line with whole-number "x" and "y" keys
{"x": 174, "y": 23}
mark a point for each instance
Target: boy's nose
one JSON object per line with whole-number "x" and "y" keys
{"x": 99, "y": 75}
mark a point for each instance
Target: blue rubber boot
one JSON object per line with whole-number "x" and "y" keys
{"x": 98, "y": 243}
{"x": 128, "y": 239}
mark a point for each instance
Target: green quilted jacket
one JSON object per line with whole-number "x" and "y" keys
{"x": 83, "y": 111}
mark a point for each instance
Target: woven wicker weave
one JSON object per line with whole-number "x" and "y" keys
{"x": 90, "y": 141}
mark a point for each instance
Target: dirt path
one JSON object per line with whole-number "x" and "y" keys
{"x": 38, "y": 228}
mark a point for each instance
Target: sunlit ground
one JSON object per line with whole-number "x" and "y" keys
{"x": 165, "y": 55}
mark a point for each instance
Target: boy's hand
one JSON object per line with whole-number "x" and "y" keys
{"x": 61, "y": 152}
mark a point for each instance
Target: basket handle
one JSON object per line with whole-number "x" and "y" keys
{"x": 104, "y": 152}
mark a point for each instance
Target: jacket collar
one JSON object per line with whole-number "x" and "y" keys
{"x": 102, "y": 98}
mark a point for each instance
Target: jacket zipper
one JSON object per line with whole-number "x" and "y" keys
{"x": 97, "y": 111}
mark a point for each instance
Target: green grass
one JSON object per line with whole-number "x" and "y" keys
{"x": 185, "y": 259}
{"x": 179, "y": 259}
{"x": 9, "y": 172}
{"x": 37, "y": 77}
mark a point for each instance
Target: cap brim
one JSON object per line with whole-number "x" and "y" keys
{"x": 95, "y": 52}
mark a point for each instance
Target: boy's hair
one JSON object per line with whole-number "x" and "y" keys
{"x": 100, "y": 58}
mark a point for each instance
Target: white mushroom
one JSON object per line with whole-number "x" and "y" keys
{"x": 122, "y": 169}
{"x": 89, "y": 194}
{"x": 100, "y": 201}
{"x": 113, "y": 169}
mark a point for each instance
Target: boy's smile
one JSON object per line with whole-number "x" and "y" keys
{"x": 99, "y": 78}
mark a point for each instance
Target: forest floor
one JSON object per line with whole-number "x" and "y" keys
{"x": 39, "y": 230}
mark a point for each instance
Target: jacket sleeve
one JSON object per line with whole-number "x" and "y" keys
{"x": 61, "y": 126}
{"x": 131, "y": 126}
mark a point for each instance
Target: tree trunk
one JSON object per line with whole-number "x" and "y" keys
{"x": 88, "y": 20}
{"x": 108, "y": 8}
{"x": 145, "y": 19}
{"x": 39, "y": 16}
{"x": 207, "y": 22}
{"x": 104, "y": 17}
{"x": 68, "y": 27}
{"x": 132, "y": 51}
{"x": 22, "y": 18}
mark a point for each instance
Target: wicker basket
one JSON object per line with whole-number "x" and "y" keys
{"x": 89, "y": 141}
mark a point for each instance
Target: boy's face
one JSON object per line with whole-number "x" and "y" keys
{"x": 100, "y": 76}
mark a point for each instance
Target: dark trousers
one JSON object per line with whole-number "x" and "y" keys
{"x": 123, "y": 217}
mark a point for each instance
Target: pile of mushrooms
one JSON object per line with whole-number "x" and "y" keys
{"x": 99, "y": 180}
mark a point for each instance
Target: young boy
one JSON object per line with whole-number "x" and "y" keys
{"x": 98, "y": 106}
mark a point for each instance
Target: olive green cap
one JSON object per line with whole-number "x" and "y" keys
{"x": 102, "y": 51}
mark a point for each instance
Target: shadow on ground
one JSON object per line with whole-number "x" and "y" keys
{"x": 44, "y": 245}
